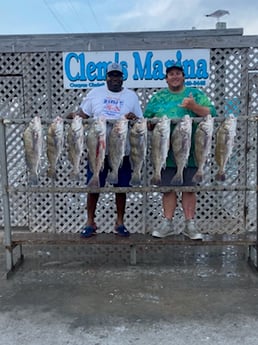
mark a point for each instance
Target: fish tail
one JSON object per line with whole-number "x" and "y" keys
{"x": 33, "y": 179}
{"x": 177, "y": 180}
{"x": 156, "y": 180}
{"x": 75, "y": 176}
{"x": 220, "y": 176}
{"x": 51, "y": 173}
{"x": 94, "y": 182}
{"x": 198, "y": 177}
{"x": 135, "y": 179}
{"x": 112, "y": 177}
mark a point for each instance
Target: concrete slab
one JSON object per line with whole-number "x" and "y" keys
{"x": 208, "y": 296}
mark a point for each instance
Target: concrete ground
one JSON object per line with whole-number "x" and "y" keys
{"x": 207, "y": 296}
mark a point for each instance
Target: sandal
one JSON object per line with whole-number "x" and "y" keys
{"x": 88, "y": 231}
{"x": 120, "y": 230}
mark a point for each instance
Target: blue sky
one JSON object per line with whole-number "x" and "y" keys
{"x": 96, "y": 16}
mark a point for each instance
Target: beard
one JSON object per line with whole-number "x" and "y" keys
{"x": 176, "y": 88}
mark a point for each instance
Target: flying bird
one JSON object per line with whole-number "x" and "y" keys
{"x": 217, "y": 14}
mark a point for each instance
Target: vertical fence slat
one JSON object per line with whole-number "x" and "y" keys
{"x": 5, "y": 197}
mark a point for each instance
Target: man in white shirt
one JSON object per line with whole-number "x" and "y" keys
{"x": 112, "y": 101}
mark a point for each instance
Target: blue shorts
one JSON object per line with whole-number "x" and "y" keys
{"x": 168, "y": 173}
{"x": 124, "y": 173}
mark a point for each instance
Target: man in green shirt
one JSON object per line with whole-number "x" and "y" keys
{"x": 176, "y": 101}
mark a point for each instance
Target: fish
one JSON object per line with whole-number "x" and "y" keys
{"x": 225, "y": 137}
{"x": 160, "y": 143}
{"x": 55, "y": 143}
{"x": 138, "y": 149}
{"x": 202, "y": 141}
{"x": 75, "y": 141}
{"x": 96, "y": 148}
{"x": 181, "y": 144}
{"x": 116, "y": 148}
{"x": 33, "y": 145}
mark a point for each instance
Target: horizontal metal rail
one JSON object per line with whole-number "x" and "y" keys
{"x": 133, "y": 239}
{"x": 20, "y": 121}
{"x": 144, "y": 189}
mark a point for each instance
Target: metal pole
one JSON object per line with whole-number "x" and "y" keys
{"x": 5, "y": 196}
{"x": 256, "y": 247}
{"x": 53, "y": 203}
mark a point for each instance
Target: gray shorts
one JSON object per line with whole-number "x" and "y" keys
{"x": 168, "y": 173}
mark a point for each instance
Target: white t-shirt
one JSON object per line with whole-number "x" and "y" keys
{"x": 111, "y": 105}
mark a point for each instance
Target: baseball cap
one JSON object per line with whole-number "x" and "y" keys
{"x": 178, "y": 67}
{"x": 114, "y": 67}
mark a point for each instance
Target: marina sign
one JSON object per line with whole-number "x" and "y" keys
{"x": 141, "y": 68}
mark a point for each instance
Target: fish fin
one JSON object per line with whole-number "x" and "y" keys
{"x": 220, "y": 176}
{"x": 197, "y": 178}
{"x": 75, "y": 176}
{"x": 112, "y": 177}
{"x": 156, "y": 181}
{"x": 33, "y": 179}
{"x": 135, "y": 180}
{"x": 177, "y": 180}
{"x": 94, "y": 182}
{"x": 52, "y": 173}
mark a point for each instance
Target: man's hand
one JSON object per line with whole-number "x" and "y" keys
{"x": 188, "y": 102}
{"x": 131, "y": 116}
{"x": 78, "y": 113}
{"x": 71, "y": 115}
{"x": 150, "y": 126}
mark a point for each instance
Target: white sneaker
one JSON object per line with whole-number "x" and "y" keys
{"x": 190, "y": 230}
{"x": 166, "y": 229}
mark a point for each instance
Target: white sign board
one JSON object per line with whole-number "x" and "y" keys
{"x": 141, "y": 68}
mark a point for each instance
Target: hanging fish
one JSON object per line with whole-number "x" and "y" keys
{"x": 33, "y": 142}
{"x": 160, "y": 142}
{"x": 202, "y": 148}
{"x": 138, "y": 149}
{"x": 96, "y": 148}
{"x": 225, "y": 137}
{"x": 75, "y": 140}
{"x": 116, "y": 148}
{"x": 181, "y": 144}
{"x": 55, "y": 143}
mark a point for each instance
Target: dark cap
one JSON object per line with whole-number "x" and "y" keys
{"x": 179, "y": 68}
{"x": 114, "y": 67}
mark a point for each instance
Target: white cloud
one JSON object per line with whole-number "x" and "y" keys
{"x": 157, "y": 15}
{"x": 181, "y": 15}
{"x": 119, "y": 16}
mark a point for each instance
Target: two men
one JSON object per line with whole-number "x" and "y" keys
{"x": 114, "y": 101}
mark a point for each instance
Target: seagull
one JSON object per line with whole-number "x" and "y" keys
{"x": 217, "y": 14}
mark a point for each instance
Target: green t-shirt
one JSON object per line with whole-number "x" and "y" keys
{"x": 167, "y": 103}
